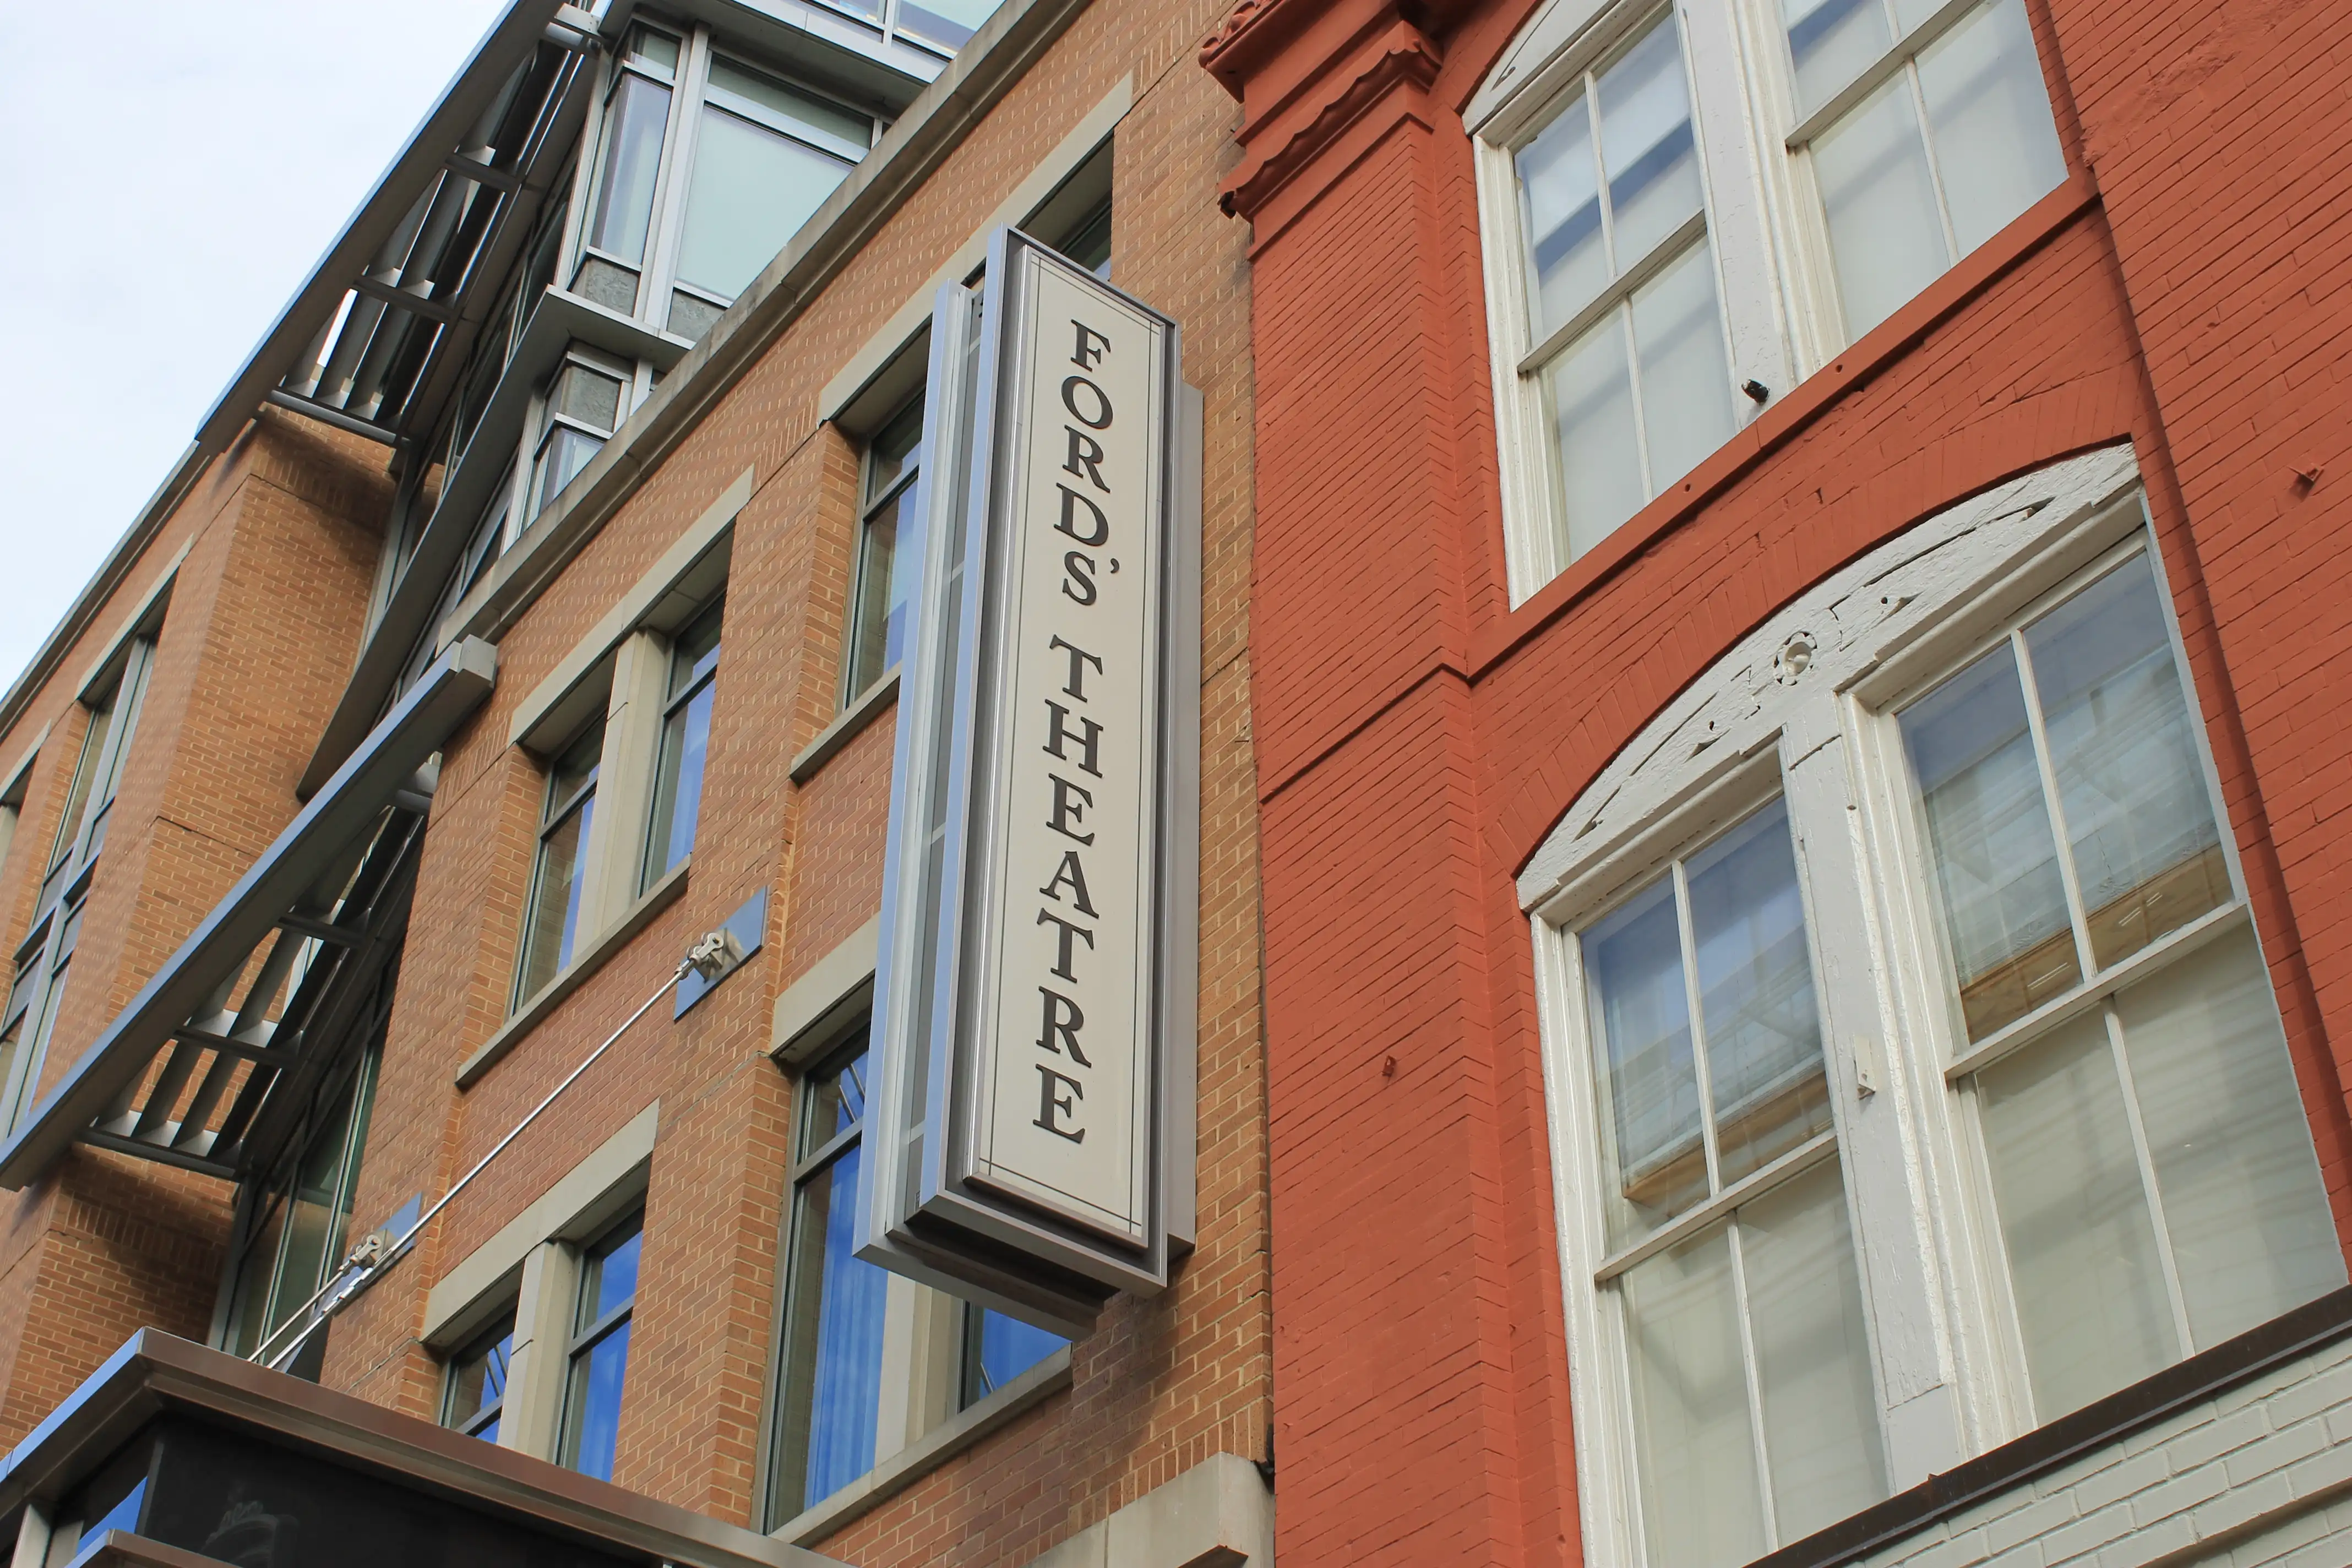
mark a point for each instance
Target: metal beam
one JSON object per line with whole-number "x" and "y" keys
{"x": 418, "y": 725}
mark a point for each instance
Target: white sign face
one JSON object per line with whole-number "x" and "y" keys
{"x": 1063, "y": 1073}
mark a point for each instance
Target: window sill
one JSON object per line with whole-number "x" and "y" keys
{"x": 928, "y": 1452}
{"x": 845, "y": 726}
{"x": 549, "y": 997}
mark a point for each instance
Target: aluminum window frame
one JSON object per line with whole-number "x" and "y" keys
{"x": 582, "y": 1341}
{"x": 856, "y": 681}
{"x": 676, "y": 704}
{"x": 501, "y": 1329}
{"x": 555, "y": 811}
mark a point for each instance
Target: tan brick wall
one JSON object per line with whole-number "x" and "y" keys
{"x": 1162, "y": 1384}
{"x": 282, "y": 535}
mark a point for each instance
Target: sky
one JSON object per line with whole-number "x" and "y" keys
{"x": 164, "y": 188}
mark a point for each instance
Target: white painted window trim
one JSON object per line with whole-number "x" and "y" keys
{"x": 1776, "y": 285}
{"x": 1802, "y": 708}
{"x": 1577, "y": 35}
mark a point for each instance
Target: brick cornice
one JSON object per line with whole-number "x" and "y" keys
{"x": 1402, "y": 57}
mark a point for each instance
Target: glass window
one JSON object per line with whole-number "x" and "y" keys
{"x": 2144, "y": 1138}
{"x": 583, "y": 408}
{"x": 636, "y": 117}
{"x": 1089, "y": 243}
{"x": 685, "y": 745}
{"x": 879, "y": 588}
{"x": 552, "y": 924}
{"x": 998, "y": 1349}
{"x": 945, "y": 24}
{"x": 475, "y": 1394}
{"x": 1951, "y": 138}
{"x": 296, "y": 1224}
{"x": 1732, "y": 1259}
{"x": 599, "y": 1365}
{"x": 829, "y": 1363}
{"x": 1628, "y": 340}
{"x": 766, "y": 156}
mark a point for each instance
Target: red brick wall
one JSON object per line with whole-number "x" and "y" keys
{"x": 1417, "y": 738}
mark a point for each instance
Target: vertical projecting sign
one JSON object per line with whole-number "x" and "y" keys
{"x": 1035, "y": 998}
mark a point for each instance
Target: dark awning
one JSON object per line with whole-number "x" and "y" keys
{"x": 231, "y": 1067}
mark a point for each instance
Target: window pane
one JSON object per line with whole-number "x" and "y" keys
{"x": 612, "y": 1281}
{"x": 1599, "y": 456}
{"x": 999, "y": 1349}
{"x": 2139, "y": 819}
{"x": 1812, "y": 1355}
{"x": 1989, "y": 840}
{"x": 948, "y": 24}
{"x": 2083, "y": 1264}
{"x": 2243, "y": 1204}
{"x": 1829, "y": 43}
{"x": 1756, "y": 994}
{"x": 1685, "y": 379}
{"x": 833, "y": 1104}
{"x": 1649, "y": 1086}
{"x": 895, "y": 450}
{"x": 554, "y": 902}
{"x": 782, "y": 107}
{"x": 1646, "y": 144}
{"x": 635, "y": 115}
{"x": 753, "y": 189}
{"x": 1884, "y": 233}
{"x": 1559, "y": 196}
{"x": 678, "y": 784}
{"x": 316, "y": 1213}
{"x": 566, "y": 452}
{"x": 655, "y": 50}
{"x": 1696, "y": 1457}
{"x": 877, "y": 619}
{"x": 478, "y": 1379}
{"x": 597, "y": 1376}
{"x": 93, "y": 746}
{"x": 1989, "y": 109}
{"x": 834, "y": 1341}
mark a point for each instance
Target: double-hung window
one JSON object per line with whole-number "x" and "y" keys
{"x": 2117, "y": 1047}
{"x": 1678, "y": 227}
{"x": 551, "y": 917}
{"x": 473, "y": 1397}
{"x": 1928, "y": 128}
{"x": 890, "y": 504}
{"x": 598, "y": 1357}
{"x": 45, "y": 956}
{"x": 1920, "y": 1080}
{"x": 685, "y": 746}
{"x": 1730, "y": 1266}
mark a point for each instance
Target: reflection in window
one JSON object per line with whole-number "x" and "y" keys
{"x": 998, "y": 1349}
{"x": 945, "y": 24}
{"x": 552, "y": 920}
{"x": 831, "y": 1358}
{"x": 294, "y": 1228}
{"x": 475, "y": 1395}
{"x": 886, "y": 551}
{"x": 766, "y": 156}
{"x": 1620, "y": 288}
{"x": 2149, "y": 1156}
{"x": 1955, "y": 140}
{"x": 583, "y": 408}
{"x": 619, "y": 215}
{"x": 599, "y": 1353}
{"x": 685, "y": 745}
{"x": 1746, "y": 1361}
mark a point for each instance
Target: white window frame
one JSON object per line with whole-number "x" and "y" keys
{"x": 1804, "y": 707}
{"x": 1775, "y": 284}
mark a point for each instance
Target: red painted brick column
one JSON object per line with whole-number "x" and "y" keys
{"x": 1417, "y": 1377}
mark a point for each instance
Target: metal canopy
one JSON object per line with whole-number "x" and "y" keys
{"x": 205, "y": 1068}
{"x": 373, "y": 341}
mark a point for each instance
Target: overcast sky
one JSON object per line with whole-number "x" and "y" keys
{"x": 165, "y": 186}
